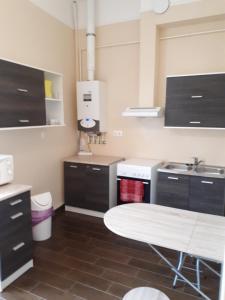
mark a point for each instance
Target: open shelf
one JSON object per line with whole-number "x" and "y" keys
{"x": 54, "y": 105}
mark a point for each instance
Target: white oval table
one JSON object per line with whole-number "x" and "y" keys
{"x": 196, "y": 234}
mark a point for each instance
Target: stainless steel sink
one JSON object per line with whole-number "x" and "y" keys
{"x": 209, "y": 170}
{"x": 190, "y": 169}
{"x": 178, "y": 167}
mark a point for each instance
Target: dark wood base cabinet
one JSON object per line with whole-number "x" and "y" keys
{"x": 15, "y": 238}
{"x": 195, "y": 193}
{"x": 89, "y": 186}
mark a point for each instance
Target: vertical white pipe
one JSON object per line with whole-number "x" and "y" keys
{"x": 77, "y": 39}
{"x": 91, "y": 39}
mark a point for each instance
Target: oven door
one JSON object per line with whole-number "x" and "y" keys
{"x": 147, "y": 189}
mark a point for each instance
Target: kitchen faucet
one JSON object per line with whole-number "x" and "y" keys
{"x": 197, "y": 162}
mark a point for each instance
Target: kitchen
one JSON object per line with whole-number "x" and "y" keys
{"x": 136, "y": 42}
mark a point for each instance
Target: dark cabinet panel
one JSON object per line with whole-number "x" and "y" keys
{"x": 86, "y": 186}
{"x": 22, "y": 97}
{"x": 74, "y": 184}
{"x": 173, "y": 190}
{"x": 97, "y": 185}
{"x": 207, "y": 195}
{"x": 17, "y": 252}
{"x": 195, "y": 101}
{"x": 15, "y": 234}
{"x": 195, "y": 193}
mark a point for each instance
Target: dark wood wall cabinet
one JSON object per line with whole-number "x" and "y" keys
{"x": 15, "y": 238}
{"x": 195, "y": 101}
{"x": 89, "y": 187}
{"x": 195, "y": 193}
{"x": 22, "y": 97}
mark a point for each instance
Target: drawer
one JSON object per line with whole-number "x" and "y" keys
{"x": 173, "y": 190}
{"x": 17, "y": 110}
{"x": 21, "y": 80}
{"x": 15, "y": 210}
{"x": 97, "y": 169}
{"x": 16, "y": 253}
{"x": 210, "y": 117}
{"x": 207, "y": 195}
{"x": 197, "y": 87}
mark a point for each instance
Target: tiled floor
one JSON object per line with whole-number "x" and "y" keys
{"x": 85, "y": 261}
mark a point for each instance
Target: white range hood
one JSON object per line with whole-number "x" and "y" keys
{"x": 153, "y": 112}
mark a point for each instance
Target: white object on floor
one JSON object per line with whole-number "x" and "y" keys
{"x": 43, "y": 230}
{"x": 145, "y": 293}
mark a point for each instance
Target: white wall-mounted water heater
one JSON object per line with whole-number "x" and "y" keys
{"x": 91, "y": 106}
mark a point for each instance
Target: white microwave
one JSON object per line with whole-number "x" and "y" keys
{"x": 6, "y": 169}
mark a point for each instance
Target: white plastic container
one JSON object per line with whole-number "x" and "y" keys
{"x": 43, "y": 230}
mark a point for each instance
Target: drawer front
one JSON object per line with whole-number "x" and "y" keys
{"x": 97, "y": 170}
{"x": 15, "y": 210}
{"x": 21, "y": 80}
{"x": 173, "y": 190}
{"x": 16, "y": 111}
{"x": 188, "y": 118}
{"x": 74, "y": 184}
{"x": 16, "y": 253}
{"x": 197, "y": 87}
{"x": 207, "y": 195}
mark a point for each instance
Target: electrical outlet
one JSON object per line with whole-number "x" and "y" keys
{"x": 118, "y": 133}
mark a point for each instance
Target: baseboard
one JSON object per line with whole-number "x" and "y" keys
{"x": 15, "y": 275}
{"x": 59, "y": 210}
{"x": 84, "y": 211}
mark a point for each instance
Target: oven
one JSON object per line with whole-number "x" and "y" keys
{"x": 146, "y": 192}
{"x": 136, "y": 180}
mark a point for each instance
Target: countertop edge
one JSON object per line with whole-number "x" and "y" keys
{"x": 11, "y": 190}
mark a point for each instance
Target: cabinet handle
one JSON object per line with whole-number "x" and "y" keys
{"x": 145, "y": 182}
{"x": 74, "y": 167}
{"x": 22, "y": 90}
{"x": 17, "y": 247}
{"x": 13, "y": 203}
{"x": 24, "y": 121}
{"x": 173, "y": 178}
{"x": 196, "y": 96}
{"x": 16, "y": 216}
{"x": 118, "y": 179}
{"x": 207, "y": 182}
{"x": 96, "y": 169}
{"x": 195, "y": 122}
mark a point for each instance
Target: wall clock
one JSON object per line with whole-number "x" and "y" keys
{"x": 160, "y": 6}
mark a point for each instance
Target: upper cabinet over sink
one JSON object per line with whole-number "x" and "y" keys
{"x": 195, "y": 101}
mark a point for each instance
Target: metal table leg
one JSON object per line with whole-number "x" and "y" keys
{"x": 177, "y": 272}
{"x": 179, "y": 267}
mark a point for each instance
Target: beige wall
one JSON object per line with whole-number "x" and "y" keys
{"x": 119, "y": 67}
{"x": 30, "y": 36}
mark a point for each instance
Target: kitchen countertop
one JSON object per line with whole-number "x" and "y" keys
{"x": 10, "y": 190}
{"x": 94, "y": 159}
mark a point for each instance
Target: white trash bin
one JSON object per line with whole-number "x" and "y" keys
{"x": 42, "y": 203}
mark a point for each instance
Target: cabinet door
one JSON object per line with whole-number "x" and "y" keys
{"x": 22, "y": 98}
{"x": 97, "y": 188}
{"x": 207, "y": 195}
{"x": 173, "y": 190}
{"x": 195, "y": 101}
{"x": 15, "y": 252}
{"x": 74, "y": 184}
